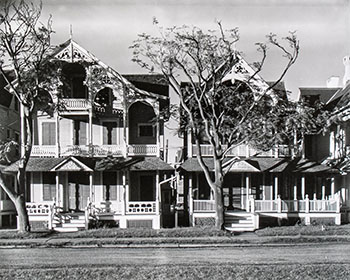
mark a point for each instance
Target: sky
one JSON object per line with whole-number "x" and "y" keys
{"x": 108, "y": 27}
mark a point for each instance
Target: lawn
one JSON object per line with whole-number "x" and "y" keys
{"x": 265, "y": 271}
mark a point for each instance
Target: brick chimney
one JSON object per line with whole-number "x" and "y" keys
{"x": 346, "y": 79}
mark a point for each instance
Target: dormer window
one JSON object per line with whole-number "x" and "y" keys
{"x": 73, "y": 77}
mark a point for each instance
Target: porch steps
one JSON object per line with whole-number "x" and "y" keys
{"x": 239, "y": 221}
{"x": 68, "y": 222}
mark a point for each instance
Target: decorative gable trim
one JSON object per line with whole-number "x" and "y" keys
{"x": 71, "y": 164}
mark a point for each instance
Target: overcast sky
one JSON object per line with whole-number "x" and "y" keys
{"x": 108, "y": 27}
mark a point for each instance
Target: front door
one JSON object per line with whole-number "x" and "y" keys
{"x": 78, "y": 190}
{"x": 168, "y": 213}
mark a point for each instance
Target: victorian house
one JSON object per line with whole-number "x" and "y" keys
{"x": 98, "y": 155}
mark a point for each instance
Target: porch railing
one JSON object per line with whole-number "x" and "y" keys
{"x": 203, "y": 205}
{"x": 105, "y": 150}
{"x": 75, "y": 150}
{"x": 303, "y": 206}
{"x": 141, "y": 207}
{"x": 39, "y": 208}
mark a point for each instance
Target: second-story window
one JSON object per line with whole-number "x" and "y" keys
{"x": 146, "y": 130}
{"x": 48, "y": 133}
{"x": 109, "y": 133}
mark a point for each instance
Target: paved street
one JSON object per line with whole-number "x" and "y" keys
{"x": 63, "y": 257}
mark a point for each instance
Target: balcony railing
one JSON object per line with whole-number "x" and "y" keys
{"x": 6, "y": 205}
{"x": 39, "y": 208}
{"x": 243, "y": 151}
{"x": 203, "y": 205}
{"x": 142, "y": 207}
{"x": 44, "y": 151}
{"x": 95, "y": 150}
{"x": 142, "y": 150}
{"x": 75, "y": 104}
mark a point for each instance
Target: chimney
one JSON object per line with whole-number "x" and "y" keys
{"x": 346, "y": 79}
{"x": 333, "y": 82}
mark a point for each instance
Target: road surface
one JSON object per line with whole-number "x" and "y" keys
{"x": 84, "y": 257}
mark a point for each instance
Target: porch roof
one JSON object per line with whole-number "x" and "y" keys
{"x": 254, "y": 164}
{"x": 308, "y": 166}
{"x": 97, "y": 164}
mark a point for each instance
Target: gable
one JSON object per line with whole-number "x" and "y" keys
{"x": 243, "y": 166}
{"x": 71, "y": 164}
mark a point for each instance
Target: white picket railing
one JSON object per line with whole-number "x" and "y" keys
{"x": 105, "y": 150}
{"x": 142, "y": 150}
{"x": 44, "y": 150}
{"x": 302, "y": 206}
{"x": 75, "y": 103}
{"x": 74, "y": 150}
{"x": 203, "y": 205}
{"x": 39, "y": 208}
{"x": 243, "y": 151}
{"x": 141, "y": 207}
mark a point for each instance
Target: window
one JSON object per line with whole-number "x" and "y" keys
{"x": 49, "y": 186}
{"x": 146, "y": 130}
{"x": 48, "y": 133}
{"x": 80, "y": 133}
{"x": 109, "y": 133}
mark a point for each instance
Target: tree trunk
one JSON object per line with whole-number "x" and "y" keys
{"x": 23, "y": 221}
{"x": 219, "y": 209}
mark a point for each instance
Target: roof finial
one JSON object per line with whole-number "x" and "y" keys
{"x": 71, "y": 32}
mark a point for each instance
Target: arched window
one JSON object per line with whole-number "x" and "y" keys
{"x": 105, "y": 97}
{"x": 73, "y": 77}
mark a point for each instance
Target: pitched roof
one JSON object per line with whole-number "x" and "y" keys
{"x": 325, "y": 94}
{"x": 262, "y": 164}
{"x": 151, "y": 163}
{"x": 36, "y": 164}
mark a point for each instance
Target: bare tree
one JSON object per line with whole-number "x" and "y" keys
{"x": 228, "y": 112}
{"x": 24, "y": 46}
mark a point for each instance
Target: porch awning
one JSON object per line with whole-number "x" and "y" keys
{"x": 36, "y": 164}
{"x": 254, "y": 164}
{"x": 308, "y": 166}
{"x": 151, "y": 163}
{"x": 134, "y": 164}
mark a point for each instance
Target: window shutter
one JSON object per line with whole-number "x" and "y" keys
{"x": 113, "y": 192}
{"x": 82, "y": 134}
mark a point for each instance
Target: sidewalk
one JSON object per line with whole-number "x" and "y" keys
{"x": 243, "y": 240}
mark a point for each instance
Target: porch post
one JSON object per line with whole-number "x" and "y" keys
{"x": 124, "y": 193}
{"x": 90, "y": 140}
{"x": 91, "y": 181}
{"x": 303, "y": 187}
{"x": 158, "y": 129}
{"x": 323, "y": 189}
{"x": 126, "y": 127}
{"x": 158, "y": 198}
{"x": 189, "y": 144}
{"x": 57, "y": 134}
{"x": 332, "y": 187}
{"x": 295, "y": 187}
{"x": 276, "y": 186}
{"x": 58, "y": 200}
{"x": 247, "y": 187}
{"x": 190, "y": 198}
{"x": 263, "y": 187}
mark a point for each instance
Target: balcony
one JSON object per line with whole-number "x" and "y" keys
{"x": 95, "y": 150}
{"x": 75, "y": 104}
{"x": 244, "y": 150}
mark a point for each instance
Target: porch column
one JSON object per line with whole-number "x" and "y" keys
{"x": 303, "y": 187}
{"x": 275, "y": 179}
{"x": 323, "y": 189}
{"x": 242, "y": 190}
{"x": 190, "y": 198}
{"x": 126, "y": 125}
{"x": 58, "y": 200}
{"x": 158, "y": 198}
{"x": 90, "y": 140}
{"x": 264, "y": 187}
{"x": 157, "y": 128}
{"x": 124, "y": 193}
{"x": 91, "y": 181}
{"x": 189, "y": 144}
{"x": 332, "y": 187}
{"x": 247, "y": 187}
{"x": 57, "y": 124}
{"x": 295, "y": 188}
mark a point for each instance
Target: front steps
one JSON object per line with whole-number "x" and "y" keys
{"x": 68, "y": 222}
{"x": 240, "y": 221}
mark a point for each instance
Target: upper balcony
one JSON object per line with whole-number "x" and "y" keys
{"x": 95, "y": 150}
{"x": 245, "y": 151}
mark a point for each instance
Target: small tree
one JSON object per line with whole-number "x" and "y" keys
{"x": 24, "y": 46}
{"x": 241, "y": 110}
